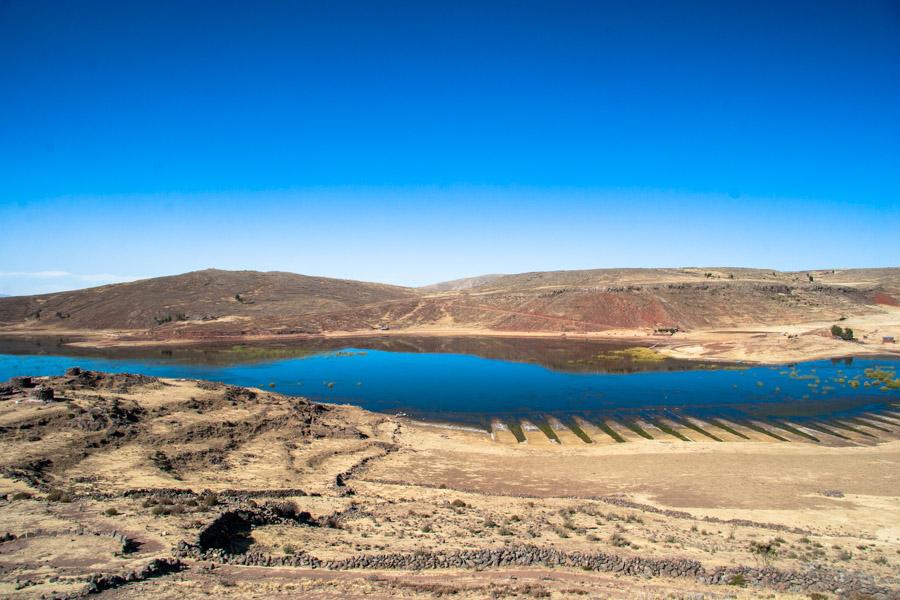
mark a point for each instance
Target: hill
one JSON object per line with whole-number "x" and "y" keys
{"x": 216, "y": 304}
{"x": 456, "y": 285}
{"x": 195, "y": 297}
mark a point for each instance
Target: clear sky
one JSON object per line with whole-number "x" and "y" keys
{"x": 412, "y": 142}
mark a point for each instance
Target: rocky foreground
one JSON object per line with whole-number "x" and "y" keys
{"x": 130, "y": 486}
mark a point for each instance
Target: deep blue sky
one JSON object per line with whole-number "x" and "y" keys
{"x": 418, "y": 141}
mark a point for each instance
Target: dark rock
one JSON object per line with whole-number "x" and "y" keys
{"x": 42, "y": 393}
{"x": 21, "y": 382}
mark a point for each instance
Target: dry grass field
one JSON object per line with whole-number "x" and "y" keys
{"x": 127, "y": 486}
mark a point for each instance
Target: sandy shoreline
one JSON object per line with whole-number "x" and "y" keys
{"x": 761, "y": 344}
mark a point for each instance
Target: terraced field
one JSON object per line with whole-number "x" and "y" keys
{"x": 861, "y": 430}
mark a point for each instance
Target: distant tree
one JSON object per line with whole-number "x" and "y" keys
{"x": 843, "y": 333}
{"x": 810, "y": 277}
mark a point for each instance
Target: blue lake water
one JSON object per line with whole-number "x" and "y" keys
{"x": 473, "y": 389}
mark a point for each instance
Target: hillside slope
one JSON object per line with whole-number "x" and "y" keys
{"x": 195, "y": 296}
{"x": 212, "y": 303}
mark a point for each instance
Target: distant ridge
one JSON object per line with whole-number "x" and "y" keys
{"x": 465, "y": 283}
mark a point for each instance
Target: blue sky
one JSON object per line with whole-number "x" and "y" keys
{"x": 411, "y": 142}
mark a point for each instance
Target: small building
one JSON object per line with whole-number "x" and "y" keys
{"x": 888, "y": 339}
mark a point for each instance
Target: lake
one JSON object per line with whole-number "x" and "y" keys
{"x": 476, "y": 380}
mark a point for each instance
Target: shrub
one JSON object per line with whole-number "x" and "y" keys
{"x": 289, "y": 549}
{"x": 332, "y": 523}
{"x": 286, "y": 509}
{"x": 765, "y": 551}
{"x": 458, "y": 503}
{"x": 58, "y": 496}
{"x": 21, "y": 496}
{"x": 845, "y": 333}
{"x": 619, "y": 541}
{"x": 737, "y": 579}
{"x": 111, "y": 511}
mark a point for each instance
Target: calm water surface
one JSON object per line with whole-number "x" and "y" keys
{"x": 473, "y": 381}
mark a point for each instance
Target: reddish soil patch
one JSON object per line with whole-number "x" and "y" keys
{"x": 886, "y": 299}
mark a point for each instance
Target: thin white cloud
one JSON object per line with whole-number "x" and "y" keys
{"x": 16, "y": 283}
{"x": 36, "y": 274}
{"x": 92, "y": 277}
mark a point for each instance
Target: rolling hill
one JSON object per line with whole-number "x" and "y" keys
{"x": 199, "y": 296}
{"x": 215, "y": 303}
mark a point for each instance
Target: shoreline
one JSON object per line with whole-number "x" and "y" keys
{"x": 763, "y": 345}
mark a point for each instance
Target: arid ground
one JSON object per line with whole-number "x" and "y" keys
{"x": 127, "y": 486}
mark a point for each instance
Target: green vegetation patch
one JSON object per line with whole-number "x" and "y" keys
{"x": 759, "y": 429}
{"x": 636, "y": 354}
{"x": 610, "y": 432}
{"x": 824, "y": 429}
{"x": 243, "y": 353}
{"x": 731, "y": 430}
{"x": 885, "y": 378}
{"x": 666, "y": 429}
{"x": 698, "y": 429}
{"x": 573, "y": 425}
{"x": 637, "y": 429}
{"x": 516, "y": 430}
{"x": 544, "y": 426}
{"x": 846, "y": 427}
{"x": 877, "y": 419}
{"x": 794, "y": 430}
{"x": 844, "y": 333}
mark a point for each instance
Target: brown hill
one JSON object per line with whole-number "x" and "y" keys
{"x": 192, "y": 297}
{"x": 456, "y": 285}
{"x": 212, "y": 303}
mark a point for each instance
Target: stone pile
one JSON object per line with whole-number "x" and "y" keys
{"x": 815, "y": 579}
{"x": 155, "y": 568}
